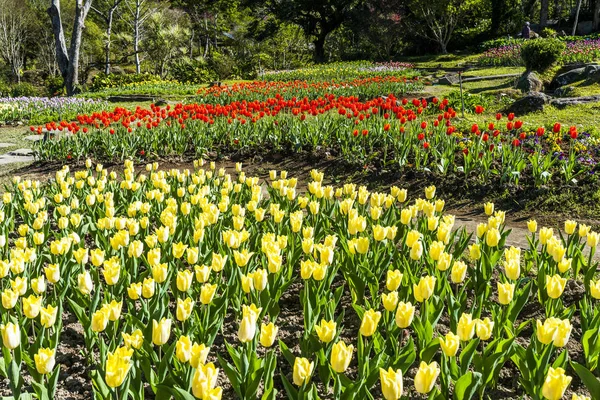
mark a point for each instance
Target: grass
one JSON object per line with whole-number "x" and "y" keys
{"x": 15, "y": 135}
{"x": 490, "y": 71}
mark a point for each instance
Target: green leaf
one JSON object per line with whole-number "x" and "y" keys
{"x": 589, "y": 380}
{"x": 467, "y": 355}
{"x": 466, "y": 386}
{"x": 177, "y": 393}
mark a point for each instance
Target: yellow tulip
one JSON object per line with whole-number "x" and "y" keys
{"x": 436, "y": 249}
{"x": 134, "y": 290}
{"x": 390, "y": 300}
{"x": 555, "y": 285}
{"x": 430, "y": 192}
{"x": 11, "y": 335}
{"x": 450, "y": 344}
{"x": 199, "y": 355}
{"x": 268, "y": 333}
{"x": 161, "y": 330}
{"x": 595, "y": 289}
{"x": 202, "y": 273}
{"x": 207, "y": 292}
{"x": 488, "y": 208}
{"x": 260, "y": 279}
{"x": 135, "y": 340}
{"x": 111, "y": 271}
{"x": 393, "y": 280}
{"x": 247, "y": 329}
{"x": 570, "y": 227}
{"x": 583, "y": 230}
{"x": 505, "y": 293}
{"x": 512, "y": 269}
{"x": 546, "y": 332}
{"x": 466, "y": 327}
{"x": 184, "y": 309}
{"x": 184, "y": 280}
{"x": 458, "y": 272}
{"x": 52, "y": 272}
{"x": 483, "y": 328}
{"x": 545, "y": 235}
{"x": 48, "y": 316}
{"x": 44, "y": 361}
{"x": 555, "y": 384}
{"x": 444, "y": 261}
{"x": 302, "y": 370}
{"x": 114, "y": 310}
{"x": 592, "y": 239}
{"x": 426, "y": 377}
{"x": 564, "y": 265}
{"x": 405, "y": 313}
{"x": 416, "y": 251}
{"x": 204, "y": 382}
{"x": 580, "y": 397}
{"x": 369, "y": 322}
{"x": 492, "y": 237}
{"x": 474, "y": 251}
{"x": 148, "y": 287}
{"x": 159, "y": 272}
{"x": 31, "y": 306}
{"x": 242, "y": 258}
{"x": 340, "y": 358}
{"x": 326, "y": 331}
{"x": 412, "y": 237}
{"x": 391, "y": 383}
{"x": 362, "y": 245}
{"x": 100, "y": 320}
{"x": 183, "y": 349}
{"x": 118, "y": 364}
{"x": 481, "y": 229}
{"x": 84, "y": 283}
{"x": 38, "y": 285}
{"x": 424, "y": 289}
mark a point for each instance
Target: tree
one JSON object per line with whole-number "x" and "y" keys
{"x": 68, "y": 61}
{"x": 107, "y": 17}
{"x": 166, "y": 38}
{"x": 436, "y": 20}
{"x": 14, "y": 33}
{"x": 316, "y": 18}
{"x": 140, "y": 11}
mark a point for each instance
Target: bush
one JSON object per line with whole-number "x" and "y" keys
{"x": 55, "y": 86}
{"x": 548, "y": 33}
{"x": 5, "y": 90}
{"x": 224, "y": 65}
{"x": 103, "y": 81}
{"x": 23, "y": 89}
{"x": 539, "y": 55}
{"x": 187, "y": 70}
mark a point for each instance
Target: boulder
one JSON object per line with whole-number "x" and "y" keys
{"x": 574, "y": 75}
{"x": 534, "y": 101}
{"x": 574, "y": 101}
{"x": 564, "y": 91}
{"x": 592, "y": 70}
{"x": 529, "y": 82}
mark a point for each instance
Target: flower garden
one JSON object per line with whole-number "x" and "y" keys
{"x": 210, "y": 282}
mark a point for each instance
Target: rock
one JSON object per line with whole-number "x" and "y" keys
{"x": 564, "y": 91}
{"x": 585, "y": 27}
{"x": 160, "y": 102}
{"x": 534, "y": 101}
{"x": 448, "y": 79}
{"x": 21, "y": 152}
{"x": 34, "y": 138}
{"x": 567, "y": 78}
{"x": 573, "y": 101}
{"x": 8, "y": 159}
{"x": 5, "y": 145}
{"x": 529, "y": 82}
{"x": 130, "y": 98}
{"x": 592, "y": 70}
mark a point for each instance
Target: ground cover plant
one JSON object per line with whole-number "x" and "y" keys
{"x": 37, "y": 110}
{"x": 182, "y": 280}
{"x": 509, "y": 54}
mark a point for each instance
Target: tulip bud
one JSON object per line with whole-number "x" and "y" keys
{"x": 450, "y": 344}
{"x": 161, "y": 330}
{"x": 391, "y": 383}
{"x": 390, "y": 300}
{"x": 405, "y": 313}
{"x": 426, "y": 377}
{"x": 466, "y": 327}
{"x": 268, "y": 333}
{"x": 326, "y": 331}
{"x": 44, "y": 361}
{"x": 369, "y": 322}
{"x": 555, "y": 384}
{"x": 302, "y": 371}
{"x": 505, "y": 293}
{"x": 11, "y": 335}
{"x": 340, "y": 358}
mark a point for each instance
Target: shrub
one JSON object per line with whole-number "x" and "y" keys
{"x": 539, "y": 55}
{"x": 55, "y": 86}
{"x": 23, "y": 89}
{"x": 103, "y": 81}
{"x": 187, "y": 70}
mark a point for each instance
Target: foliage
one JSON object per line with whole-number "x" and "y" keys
{"x": 539, "y": 55}
{"x": 188, "y": 70}
{"x": 103, "y": 81}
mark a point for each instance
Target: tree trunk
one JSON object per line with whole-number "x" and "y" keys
{"x": 68, "y": 62}
{"x": 319, "y": 44}
{"x": 136, "y": 37}
{"x": 498, "y": 8}
{"x": 596, "y": 18}
{"x": 576, "y": 17}
{"x": 544, "y": 13}
{"x": 109, "y": 21}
